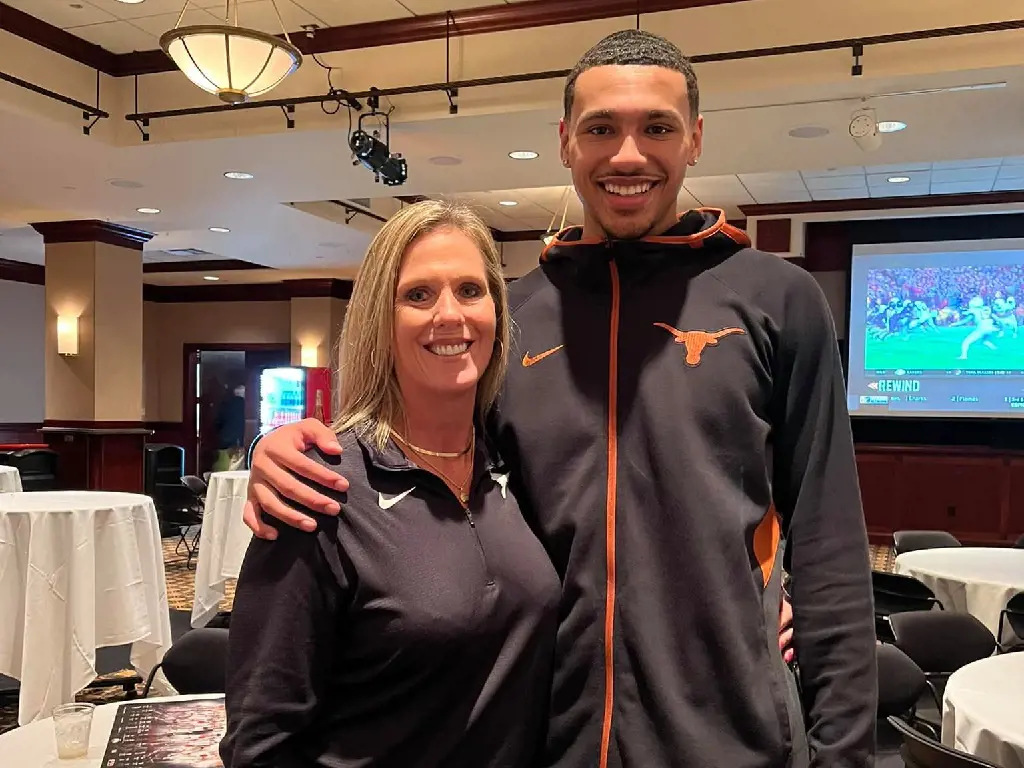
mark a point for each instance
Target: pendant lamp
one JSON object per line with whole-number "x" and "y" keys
{"x": 230, "y": 61}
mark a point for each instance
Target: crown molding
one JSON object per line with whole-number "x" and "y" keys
{"x": 92, "y": 231}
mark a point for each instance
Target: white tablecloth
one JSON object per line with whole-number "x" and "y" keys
{"x": 222, "y": 543}
{"x": 983, "y": 710}
{"x": 10, "y": 480}
{"x": 974, "y": 580}
{"x": 34, "y": 745}
{"x": 79, "y": 570}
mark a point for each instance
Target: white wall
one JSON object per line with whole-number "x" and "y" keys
{"x": 22, "y": 373}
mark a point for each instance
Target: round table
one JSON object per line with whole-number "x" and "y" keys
{"x": 80, "y": 570}
{"x": 10, "y": 479}
{"x": 982, "y": 710}
{"x": 223, "y": 540}
{"x": 974, "y": 580}
{"x": 34, "y": 746}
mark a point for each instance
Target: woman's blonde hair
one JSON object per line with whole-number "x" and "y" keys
{"x": 369, "y": 400}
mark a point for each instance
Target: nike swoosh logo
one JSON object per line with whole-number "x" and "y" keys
{"x": 387, "y": 502}
{"x": 528, "y": 361}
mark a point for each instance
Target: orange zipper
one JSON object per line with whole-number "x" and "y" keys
{"x": 613, "y": 452}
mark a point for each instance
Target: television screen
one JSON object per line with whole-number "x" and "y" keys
{"x": 937, "y": 329}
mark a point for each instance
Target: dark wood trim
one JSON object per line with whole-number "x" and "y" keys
{"x": 24, "y": 433}
{"x": 92, "y": 231}
{"x": 53, "y": 38}
{"x": 884, "y": 203}
{"x": 435, "y": 26}
{"x": 283, "y": 291}
{"x": 107, "y": 426}
{"x": 518, "y": 236}
{"x": 208, "y": 265}
{"x": 774, "y": 235}
{"x": 738, "y": 223}
{"x": 21, "y": 272}
{"x": 319, "y": 289}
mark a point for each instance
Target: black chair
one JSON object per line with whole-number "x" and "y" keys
{"x": 1014, "y": 614}
{"x": 896, "y": 593}
{"x": 922, "y": 751}
{"x": 940, "y": 643}
{"x": 911, "y": 541}
{"x": 37, "y": 467}
{"x": 195, "y": 663}
{"x": 901, "y": 683}
{"x": 1019, "y": 544}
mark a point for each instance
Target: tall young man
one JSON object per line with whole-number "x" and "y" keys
{"x": 675, "y": 419}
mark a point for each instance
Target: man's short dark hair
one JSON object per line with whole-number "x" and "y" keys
{"x": 634, "y": 46}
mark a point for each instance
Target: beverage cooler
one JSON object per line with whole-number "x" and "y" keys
{"x": 292, "y": 394}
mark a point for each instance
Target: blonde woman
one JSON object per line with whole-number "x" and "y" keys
{"x": 416, "y": 628}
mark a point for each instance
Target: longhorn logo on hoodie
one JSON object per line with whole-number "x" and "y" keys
{"x": 697, "y": 341}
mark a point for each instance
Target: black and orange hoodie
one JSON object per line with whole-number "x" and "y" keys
{"x": 675, "y": 407}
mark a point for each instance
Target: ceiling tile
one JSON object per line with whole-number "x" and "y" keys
{"x": 785, "y": 180}
{"x": 881, "y": 180}
{"x": 821, "y": 183}
{"x": 147, "y": 8}
{"x": 903, "y": 168}
{"x": 164, "y": 22}
{"x": 984, "y": 162}
{"x": 338, "y": 13}
{"x": 900, "y": 190}
{"x": 684, "y": 202}
{"x": 771, "y": 195}
{"x": 961, "y": 187}
{"x": 982, "y": 175}
{"x": 117, "y": 37}
{"x": 1004, "y": 185}
{"x": 845, "y": 193}
{"x": 60, "y": 13}
{"x": 420, "y": 7}
{"x": 719, "y": 191}
{"x": 260, "y": 15}
{"x": 832, "y": 172}
{"x": 1011, "y": 172}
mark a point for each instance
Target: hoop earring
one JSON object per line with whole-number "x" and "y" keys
{"x": 500, "y": 346}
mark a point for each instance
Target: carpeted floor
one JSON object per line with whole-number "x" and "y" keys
{"x": 180, "y": 593}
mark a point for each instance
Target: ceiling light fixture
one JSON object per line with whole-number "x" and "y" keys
{"x": 891, "y": 126}
{"x": 507, "y": 203}
{"x": 898, "y": 179}
{"x": 233, "y": 62}
{"x": 523, "y": 154}
{"x": 237, "y": 175}
{"x": 211, "y": 278}
{"x": 131, "y": 2}
{"x": 220, "y": 230}
{"x": 147, "y": 210}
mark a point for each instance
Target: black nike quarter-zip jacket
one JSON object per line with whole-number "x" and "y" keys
{"x": 676, "y": 411}
{"x": 407, "y": 632}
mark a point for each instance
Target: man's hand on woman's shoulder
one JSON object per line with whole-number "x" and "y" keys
{"x": 271, "y": 483}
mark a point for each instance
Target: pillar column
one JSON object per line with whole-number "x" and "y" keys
{"x": 317, "y": 311}
{"x": 94, "y": 413}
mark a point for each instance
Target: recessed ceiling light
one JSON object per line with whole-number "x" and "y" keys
{"x": 211, "y": 278}
{"x": 219, "y": 229}
{"x": 237, "y": 175}
{"x": 898, "y": 179}
{"x": 507, "y": 203}
{"x": 148, "y": 210}
{"x": 523, "y": 154}
{"x": 891, "y": 126}
{"x": 445, "y": 160}
{"x": 808, "y": 132}
{"x": 130, "y": 2}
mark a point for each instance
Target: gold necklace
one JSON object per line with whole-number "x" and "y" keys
{"x": 461, "y": 493}
{"x": 438, "y": 454}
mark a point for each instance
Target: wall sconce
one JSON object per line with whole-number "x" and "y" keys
{"x": 309, "y": 355}
{"x": 67, "y": 335}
